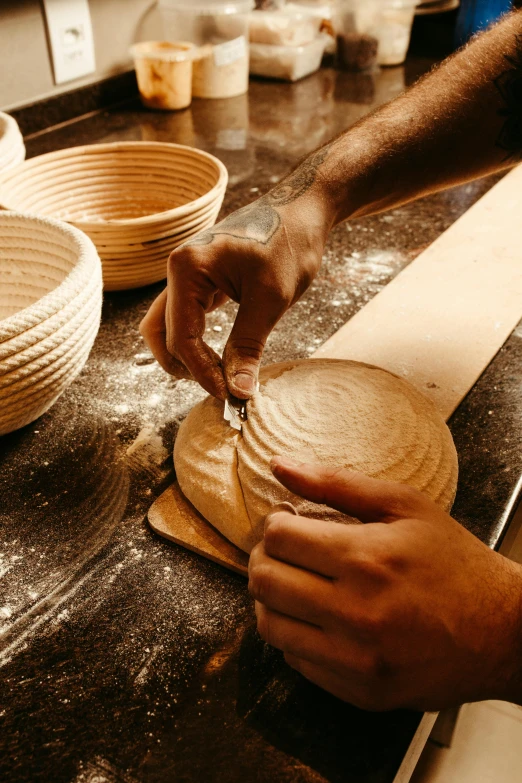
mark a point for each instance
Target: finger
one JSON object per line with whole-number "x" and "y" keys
{"x": 293, "y": 636}
{"x": 189, "y": 296}
{"x": 259, "y": 311}
{"x": 219, "y": 299}
{"x": 348, "y": 491}
{"x": 312, "y": 544}
{"x": 349, "y": 689}
{"x": 288, "y": 590}
{"x": 153, "y": 330}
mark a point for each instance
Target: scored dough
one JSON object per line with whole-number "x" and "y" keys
{"x": 334, "y": 412}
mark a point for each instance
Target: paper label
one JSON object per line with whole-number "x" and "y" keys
{"x": 229, "y": 52}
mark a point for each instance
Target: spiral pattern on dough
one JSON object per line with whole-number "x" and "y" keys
{"x": 338, "y": 413}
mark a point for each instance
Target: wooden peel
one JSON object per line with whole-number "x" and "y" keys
{"x": 438, "y": 325}
{"x": 175, "y": 518}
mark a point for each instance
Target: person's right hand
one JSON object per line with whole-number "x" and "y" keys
{"x": 263, "y": 256}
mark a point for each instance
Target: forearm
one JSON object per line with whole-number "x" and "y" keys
{"x": 460, "y": 122}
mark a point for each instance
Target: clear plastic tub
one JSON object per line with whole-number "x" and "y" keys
{"x": 220, "y": 30}
{"x": 284, "y": 27}
{"x": 374, "y": 32}
{"x": 394, "y": 30}
{"x": 164, "y": 73}
{"x": 289, "y": 63}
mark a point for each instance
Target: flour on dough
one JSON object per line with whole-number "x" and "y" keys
{"x": 338, "y": 413}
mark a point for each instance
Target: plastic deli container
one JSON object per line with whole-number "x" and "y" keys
{"x": 287, "y": 62}
{"x": 164, "y": 73}
{"x": 374, "y": 32}
{"x": 394, "y": 30}
{"x": 283, "y": 27}
{"x": 220, "y": 30}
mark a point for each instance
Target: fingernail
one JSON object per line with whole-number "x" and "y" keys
{"x": 245, "y": 382}
{"x": 282, "y": 462}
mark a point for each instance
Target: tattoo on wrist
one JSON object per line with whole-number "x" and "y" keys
{"x": 258, "y": 222}
{"x": 509, "y": 85}
{"x": 301, "y": 180}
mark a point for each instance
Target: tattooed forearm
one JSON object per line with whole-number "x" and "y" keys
{"x": 258, "y": 222}
{"x": 509, "y": 85}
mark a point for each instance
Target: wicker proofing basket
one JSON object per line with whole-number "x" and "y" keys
{"x": 12, "y": 149}
{"x": 136, "y": 200}
{"x": 50, "y": 305}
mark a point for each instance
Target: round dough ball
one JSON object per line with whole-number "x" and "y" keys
{"x": 338, "y": 413}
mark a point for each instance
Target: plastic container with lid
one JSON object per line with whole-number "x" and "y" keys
{"x": 285, "y": 27}
{"x": 374, "y": 32}
{"x": 164, "y": 73}
{"x": 220, "y": 30}
{"x": 289, "y": 63}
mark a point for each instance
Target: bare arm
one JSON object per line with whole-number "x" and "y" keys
{"x": 461, "y": 121}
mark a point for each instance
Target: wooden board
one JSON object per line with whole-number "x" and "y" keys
{"x": 175, "y": 518}
{"x": 441, "y": 321}
{"x": 438, "y": 324}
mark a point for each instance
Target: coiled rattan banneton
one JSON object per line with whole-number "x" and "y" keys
{"x": 50, "y": 306}
{"x": 136, "y": 200}
{"x": 12, "y": 149}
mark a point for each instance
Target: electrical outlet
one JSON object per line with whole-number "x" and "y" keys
{"x": 70, "y": 38}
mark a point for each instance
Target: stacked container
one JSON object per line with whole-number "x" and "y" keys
{"x": 285, "y": 44}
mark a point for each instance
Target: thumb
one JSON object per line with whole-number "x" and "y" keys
{"x": 353, "y": 493}
{"x": 256, "y": 317}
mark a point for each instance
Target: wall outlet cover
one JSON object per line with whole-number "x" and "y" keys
{"x": 71, "y": 40}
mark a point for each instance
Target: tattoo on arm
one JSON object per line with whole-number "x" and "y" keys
{"x": 509, "y": 85}
{"x": 300, "y": 180}
{"x": 258, "y": 222}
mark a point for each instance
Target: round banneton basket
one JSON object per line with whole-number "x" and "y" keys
{"x": 136, "y": 200}
{"x": 50, "y": 306}
{"x": 12, "y": 149}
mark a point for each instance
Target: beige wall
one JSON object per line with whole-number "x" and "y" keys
{"x": 25, "y": 64}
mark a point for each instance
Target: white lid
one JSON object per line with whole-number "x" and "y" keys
{"x": 209, "y": 6}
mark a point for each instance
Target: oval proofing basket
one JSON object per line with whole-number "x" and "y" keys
{"x": 136, "y": 200}
{"x": 12, "y": 149}
{"x": 50, "y": 306}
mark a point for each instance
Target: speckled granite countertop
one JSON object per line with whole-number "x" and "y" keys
{"x": 126, "y": 658}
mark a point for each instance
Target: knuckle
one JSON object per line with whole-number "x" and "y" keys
{"x": 406, "y": 499}
{"x": 264, "y": 626}
{"x": 274, "y": 529}
{"x": 245, "y": 348}
{"x": 171, "y": 345}
{"x": 260, "y": 582}
{"x": 371, "y": 667}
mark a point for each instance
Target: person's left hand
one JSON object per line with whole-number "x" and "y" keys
{"x": 407, "y": 610}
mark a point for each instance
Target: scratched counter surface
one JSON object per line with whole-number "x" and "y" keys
{"x": 124, "y": 657}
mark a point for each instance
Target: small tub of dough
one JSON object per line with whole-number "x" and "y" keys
{"x": 283, "y": 27}
{"x": 164, "y": 73}
{"x": 220, "y": 31}
{"x": 289, "y": 63}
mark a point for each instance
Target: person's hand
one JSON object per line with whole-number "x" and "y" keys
{"x": 406, "y": 610}
{"x": 263, "y": 256}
